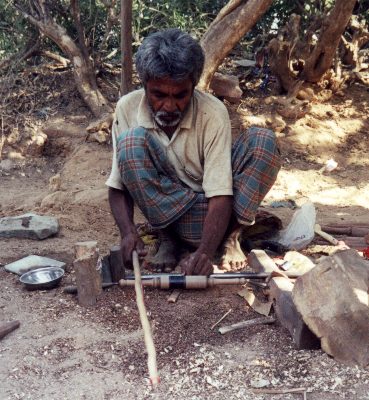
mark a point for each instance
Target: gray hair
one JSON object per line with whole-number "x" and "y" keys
{"x": 171, "y": 53}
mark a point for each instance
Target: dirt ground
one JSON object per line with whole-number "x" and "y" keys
{"x": 63, "y": 352}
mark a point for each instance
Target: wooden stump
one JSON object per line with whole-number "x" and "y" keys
{"x": 334, "y": 302}
{"x": 88, "y": 277}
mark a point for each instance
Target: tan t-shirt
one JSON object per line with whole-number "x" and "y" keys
{"x": 199, "y": 150}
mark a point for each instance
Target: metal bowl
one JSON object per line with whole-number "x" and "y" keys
{"x": 42, "y": 278}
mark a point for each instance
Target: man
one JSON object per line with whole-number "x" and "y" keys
{"x": 173, "y": 158}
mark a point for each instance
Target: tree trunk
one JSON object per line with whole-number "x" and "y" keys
{"x": 359, "y": 37}
{"x": 333, "y": 26}
{"x": 83, "y": 70}
{"x": 231, "y": 24}
{"x": 126, "y": 46}
{"x": 296, "y": 62}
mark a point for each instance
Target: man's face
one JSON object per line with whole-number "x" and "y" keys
{"x": 169, "y": 100}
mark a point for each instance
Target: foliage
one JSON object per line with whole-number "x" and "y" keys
{"x": 193, "y": 16}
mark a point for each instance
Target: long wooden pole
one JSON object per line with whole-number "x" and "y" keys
{"x": 126, "y": 46}
{"x": 149, "y": 342}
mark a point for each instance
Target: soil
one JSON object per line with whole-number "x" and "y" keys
{"x": 62, "y": 351}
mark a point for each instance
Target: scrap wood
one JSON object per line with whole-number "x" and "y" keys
{"x": 7, "y": 327}
{"x": 221, "y": 319}
{"x": 255, "y": 303}
{"x": 174, "y": 296}
{"x": 281, "y": 391}
{"x": 245, "y": 324}
{"x": 149, "y": 342}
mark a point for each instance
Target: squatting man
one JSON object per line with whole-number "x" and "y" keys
{"x": 173, "y": 157}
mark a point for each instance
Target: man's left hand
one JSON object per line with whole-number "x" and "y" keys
{"x": 197, "y": 263}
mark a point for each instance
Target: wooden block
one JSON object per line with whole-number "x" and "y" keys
{"x": 88, "y": 276}
{"x": 174, "y": 296}
{"x": 288, "y": 316}
{"x": 117, "y": 270}
{"x": 333, "y": 300}
{"x": 259, "y": 261}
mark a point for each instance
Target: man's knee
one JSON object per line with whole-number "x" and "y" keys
{"x": 131, "y": 144}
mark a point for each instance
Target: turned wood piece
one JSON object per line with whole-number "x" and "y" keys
{"x": 7, "y": 327}
{"x": 88, "y": 276}
{"x": 116, "y": 264}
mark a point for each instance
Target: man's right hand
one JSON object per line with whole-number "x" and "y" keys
{"x": 129, "y": 243}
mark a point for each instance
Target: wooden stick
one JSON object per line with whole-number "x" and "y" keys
{"x": 221, "y": 319}
{"x": 149, "y": 342}
{"x": 8, "y": 327}
{"x": 244, "y": 324}
{"x": 279, "y": 391}
{"x": 325, "y": 235}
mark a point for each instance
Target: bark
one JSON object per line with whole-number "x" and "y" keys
{"x": 126, "y": 46}
{"x": 359, "y": 37}
{"x": 333, "y": 26}
{"x": 83, "y": 70}
{"x": 231, "y": 24}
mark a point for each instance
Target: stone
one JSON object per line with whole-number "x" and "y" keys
{"x": 32, "y": 262}
{"x": 6, "y": 165}
{"x": 226, "y": 86}
{"x": 30, "y": 226}
{"x": 55, "y": 183}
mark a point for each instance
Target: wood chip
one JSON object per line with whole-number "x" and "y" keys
{"x": 244, "y": 324}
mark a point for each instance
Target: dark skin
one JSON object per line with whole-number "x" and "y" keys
{"x": 172, "y": 96}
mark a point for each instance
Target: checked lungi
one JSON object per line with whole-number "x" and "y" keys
{"x": 166, "y": 201}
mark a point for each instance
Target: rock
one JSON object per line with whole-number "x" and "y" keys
{"x": 259, "y": 383}
{"x": 54, "y": 183}
{"x": 276, "y": 123}
{"x": 226, "y": 86}
{"x": 36, "y": 143}
{"x": 333, "y": 300}
{"x": 30, "y": 226}
{"x": 32, "y": 262}
{"x": 56, "y": 199}
{"x": 99, "y": 137}
{"x": 6, "y": 165}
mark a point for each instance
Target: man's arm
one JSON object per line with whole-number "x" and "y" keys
{"x": 215, "y": 226}
{"x": 121, "y": 204}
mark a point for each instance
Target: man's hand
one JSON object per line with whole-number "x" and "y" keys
{"x": 129, "y": 243}
{"x": 197, "y": 263}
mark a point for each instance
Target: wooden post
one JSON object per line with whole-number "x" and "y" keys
{"x": 126, "y": 46}
{"x": 88, "y": 277}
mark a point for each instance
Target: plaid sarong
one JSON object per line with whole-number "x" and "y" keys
{"x": 165, "y": 200}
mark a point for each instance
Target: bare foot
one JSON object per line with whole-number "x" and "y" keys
{"x": 165, "y": 259}
{"x": 233, "y": 257}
